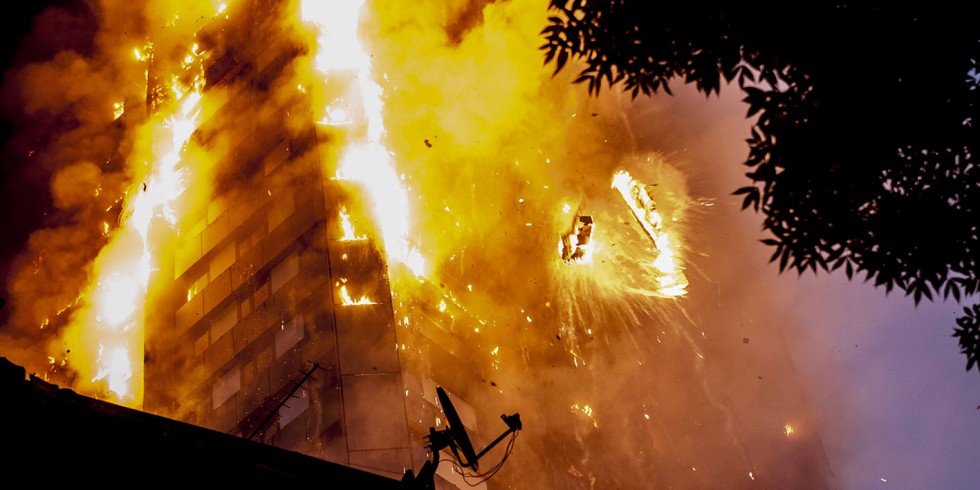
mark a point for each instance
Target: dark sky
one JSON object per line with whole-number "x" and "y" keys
{"x": 24, "y": 196}
{"x": 15, "y": 26}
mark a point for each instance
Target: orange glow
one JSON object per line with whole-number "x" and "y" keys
{"x": 106, "y": 332}
{"x": 346, "y": 300}
{"x": 587, "y": 411}
{"x": 365, "y": 160}
{"x": 348, "y": 227}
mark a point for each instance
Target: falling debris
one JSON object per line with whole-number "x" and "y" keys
{"x": 638, "y": 197}
{"x": 576, "y": 245}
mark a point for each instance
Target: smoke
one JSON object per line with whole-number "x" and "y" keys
{"x": 619, "y": 388}
{"x": 75, "y": 93}
{"x": 66, "y": 171}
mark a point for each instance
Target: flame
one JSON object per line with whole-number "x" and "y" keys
{"x": 788, "y": 430}
{"x": 365, "y": 161}
{"x": 347, "y": 301}
{"x": 348, "y": 227}
{"x": 118, "y": 108}
{"x": 106, "y": 332}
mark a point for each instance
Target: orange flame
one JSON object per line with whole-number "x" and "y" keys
{"x": 365, "y": 161}
{"x": 106, "y": 332}
{"x": 346, "y": 300}
{"x": 348, "y": 227}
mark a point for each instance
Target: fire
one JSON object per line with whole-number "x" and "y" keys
{"x": 348, "y": 227}
{"x": 788, "y": 430}
{"x": 365, "y": 161}
{"x": 106, "y": 331}
{"x": 346, "y": 300}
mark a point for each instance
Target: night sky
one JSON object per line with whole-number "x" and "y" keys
{"x": 897, "y": 408}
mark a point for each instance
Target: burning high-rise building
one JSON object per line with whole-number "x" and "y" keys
{"x": 272, "y": 318}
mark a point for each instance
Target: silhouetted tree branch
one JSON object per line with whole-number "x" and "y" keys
{"x": 863, "y": 154}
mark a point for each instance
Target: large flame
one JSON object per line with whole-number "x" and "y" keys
{"x": 342, "y": 56}
{"x": 106, "y": 333}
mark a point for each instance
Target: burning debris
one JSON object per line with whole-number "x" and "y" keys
{"x": 576, "y": 245}
{"x": 639, "y": 198}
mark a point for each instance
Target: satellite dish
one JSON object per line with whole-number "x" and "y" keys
{"x": 457, "y": 431}
{"x": 455, "y": 438}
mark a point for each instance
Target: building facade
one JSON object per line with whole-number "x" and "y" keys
{"x": 268, "y": 322}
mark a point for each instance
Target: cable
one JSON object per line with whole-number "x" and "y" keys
{"x": 486, "y": 475}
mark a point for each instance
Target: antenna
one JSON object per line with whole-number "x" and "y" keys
{"x": 455, "y": 438}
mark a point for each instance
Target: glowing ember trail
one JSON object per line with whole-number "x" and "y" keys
{"x": 366, "y": 161}
{"x": 107, "y": 330}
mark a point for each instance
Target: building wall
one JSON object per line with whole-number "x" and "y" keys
{"x": 249, "y": 302}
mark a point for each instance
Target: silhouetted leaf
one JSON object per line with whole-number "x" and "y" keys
{"x": 560, "y": 62}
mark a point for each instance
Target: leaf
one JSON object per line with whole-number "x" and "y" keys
{"x": 560, "y": 63}
{"x": 550, "y": 54}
